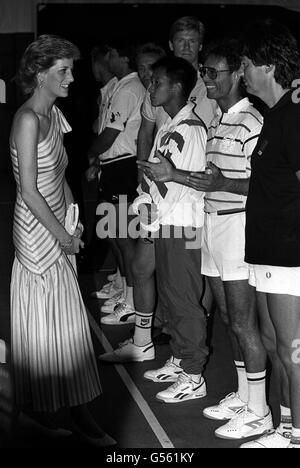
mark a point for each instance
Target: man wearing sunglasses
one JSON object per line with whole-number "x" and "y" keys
{"x": 232, "y": 136}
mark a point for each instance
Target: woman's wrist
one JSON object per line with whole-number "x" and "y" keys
{"x": 66, "y": 243}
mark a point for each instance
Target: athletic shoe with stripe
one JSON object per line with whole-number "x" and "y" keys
{"x": 130, "y": 352}
{"x": 245, "y": 424}
{"x": 110, "y": 304}
{"x": 112, "y": 276}
{"x": 122, "y": 315}
{"x": 271, "y": 439}
{"x": 168, "y": 373}
{"x": 108, "y": 291}
{"x": 185, "y": 388}
{"x": 226, "y": 409}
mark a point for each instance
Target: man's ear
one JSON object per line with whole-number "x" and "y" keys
{"x": 269, "y": 68}
{"x": 200, "y": 47}
{"x": 177, "y": 87}
{"x": 238, "y": 73}
{"x": 171, "y": 46}
{"x": 124, "y": 59}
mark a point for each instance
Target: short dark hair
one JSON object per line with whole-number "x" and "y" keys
{"x": 227, "y": 48}
{"x": 150, "y": 48}
{"x": 41, "y": 55}
{"x": 99, "y": 52}
{"x": 187, "y": 23}
{"x": 268, "y": 42}
{"x": 180, "y": 71}
{"x": 125, "y": 49}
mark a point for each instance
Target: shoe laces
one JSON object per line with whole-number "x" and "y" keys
{"x": 183, "y": 378}
{"x": 169, "y": 363}
{"x": 116, "y": 297}
{"x": 228, "y": 398}
{"x": 121, "y": 308}
{"x": 239, "y": 418}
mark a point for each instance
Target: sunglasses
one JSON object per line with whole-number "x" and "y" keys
{"x": 212, "y": 73}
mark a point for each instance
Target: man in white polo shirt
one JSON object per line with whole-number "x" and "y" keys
{"x": 115, "y": 153}
{"x": 232, "y": 136}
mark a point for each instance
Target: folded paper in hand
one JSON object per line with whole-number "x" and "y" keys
{"x": 71, "y": 219}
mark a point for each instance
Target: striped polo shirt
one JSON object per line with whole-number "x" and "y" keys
{"x": 231, "y": 139}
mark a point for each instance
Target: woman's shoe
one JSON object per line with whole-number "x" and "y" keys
{"x": 26, "y": 421}
{"x": 101, "y": 441}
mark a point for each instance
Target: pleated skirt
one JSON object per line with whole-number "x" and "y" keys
{"x": 53, "y": 360}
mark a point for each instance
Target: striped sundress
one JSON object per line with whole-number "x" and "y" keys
{"x": 52, "y": 354}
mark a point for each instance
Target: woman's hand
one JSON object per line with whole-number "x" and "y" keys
{"x": 79, "y": 230}
{"x": 72, "y": 246}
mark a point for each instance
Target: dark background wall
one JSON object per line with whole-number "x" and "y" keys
{"x": 88, "y": 24}
{"x": 11, "y": 48}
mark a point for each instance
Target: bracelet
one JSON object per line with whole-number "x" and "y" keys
{"x": 67, "y": 244}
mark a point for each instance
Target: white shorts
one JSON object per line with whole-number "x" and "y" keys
{"x": 274, "y": 279}
{"x": 223, "y": 248}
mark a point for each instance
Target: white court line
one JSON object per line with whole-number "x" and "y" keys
{"x": 136, "y": 395}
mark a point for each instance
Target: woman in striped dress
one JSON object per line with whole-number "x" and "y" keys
{"x": 53, "y": 360}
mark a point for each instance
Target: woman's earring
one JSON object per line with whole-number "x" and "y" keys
{"x": 41, "y": 83}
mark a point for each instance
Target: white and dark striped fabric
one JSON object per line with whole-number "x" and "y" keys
{"x": 231, "y": 139}
{"x": 36, "y": 248}
{"x": 52, "y": 354}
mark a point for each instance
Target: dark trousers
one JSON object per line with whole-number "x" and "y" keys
{"x": 180, "y": 285}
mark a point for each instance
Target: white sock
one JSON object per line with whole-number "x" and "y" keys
{"x": 124, "y": 285}
{"x": 142, "y": 331}
{"x": 176, "y": 361}
{"x": 195, "y": 377}
{"x": 295, "y": 435}
{"x": 257, "y": 393}
{"x": 129, "y": 296}
{"x": 119, "y": 280}
{"x": 285, "y": 419}
{"x": 242, "y": 380}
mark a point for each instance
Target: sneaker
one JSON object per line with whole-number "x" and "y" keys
{"x": 112, "y": 276}
{"x": 130, "y": 352}
{"x": 245, "y": 424}
{"x": 168, "y": 373}
{"x": 226, "y": 409}
{"x": 106, "y": 292}
{"x": 122, "y": 315}
{"x": 110, "y": 304}
{"x": 271, "y": 439}
{"x": 185, "y": 388}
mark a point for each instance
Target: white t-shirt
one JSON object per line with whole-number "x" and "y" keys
{"x": 124, "y": 115}
{"x": 106, "y": 93}
{"x": 182, "y": 140}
